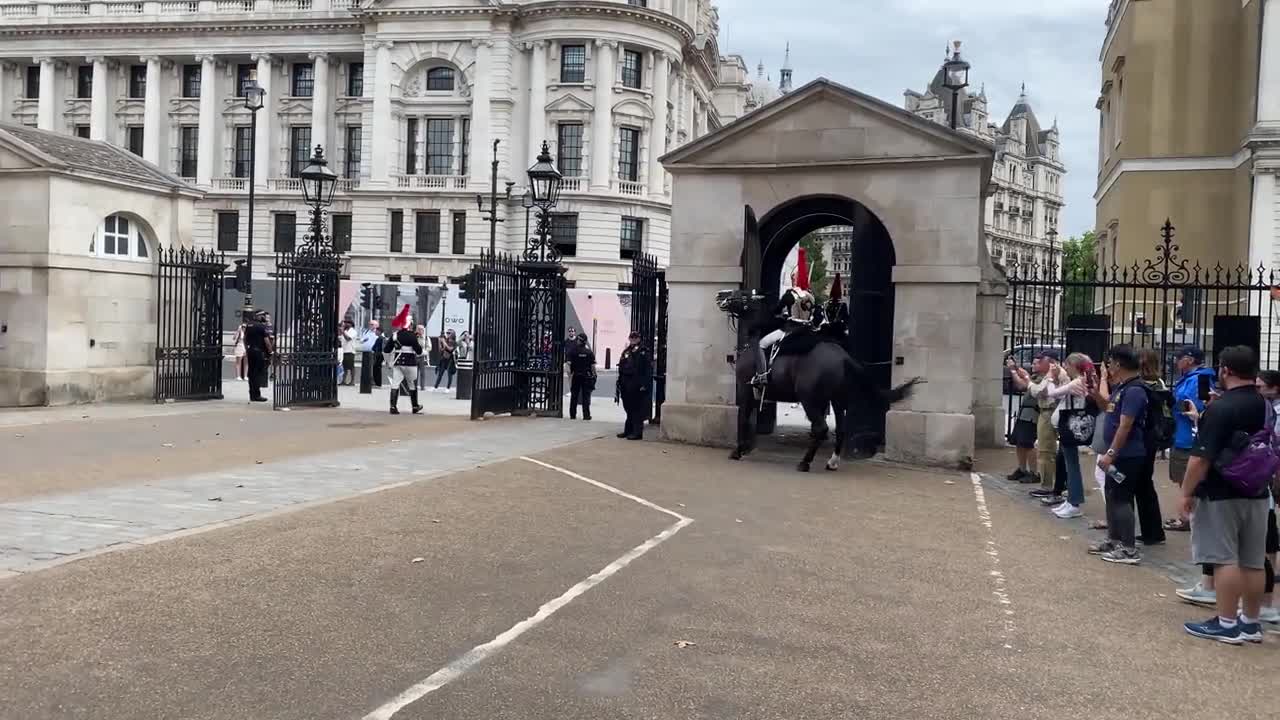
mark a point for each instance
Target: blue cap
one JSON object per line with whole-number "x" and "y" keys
{"x": 1190, "y": 351}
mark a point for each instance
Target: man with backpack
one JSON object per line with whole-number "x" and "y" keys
{"x": 1224, "y": 494}
{"x": 1126, "y": 430}
{"x": 1191, "y": 391}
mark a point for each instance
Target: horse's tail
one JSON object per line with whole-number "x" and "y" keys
{"x": 862, "y": 386}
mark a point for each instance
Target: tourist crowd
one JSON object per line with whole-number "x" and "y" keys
{"x": 1217, "y": 428}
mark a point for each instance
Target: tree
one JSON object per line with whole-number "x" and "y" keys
{"x": 1079, "y": 265}
{"x": 819, "y": 283}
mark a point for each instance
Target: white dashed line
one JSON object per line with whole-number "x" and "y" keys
{"x": 480, "y": 653}
{"x": 997, "y": 576}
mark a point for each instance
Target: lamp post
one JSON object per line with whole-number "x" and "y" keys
{"x": 318, "y": 183}
{"x": 253, "y": 101}
{"x": 955, "y": 77}
{"x": 493, "y": 218}
{"x": 444, "y": 304}
{"x": 544, "y": 192}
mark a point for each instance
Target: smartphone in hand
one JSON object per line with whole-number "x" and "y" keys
{"x": 1204, "y": 387}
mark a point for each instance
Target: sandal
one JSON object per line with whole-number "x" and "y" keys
{"x": 1097, "y": 525}
{"x": 1177, "y": 524}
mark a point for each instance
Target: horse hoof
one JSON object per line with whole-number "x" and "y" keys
{"x": 803, "y": 467}
{"x": 832, "y": 466}
{"x": 735, "y": 455}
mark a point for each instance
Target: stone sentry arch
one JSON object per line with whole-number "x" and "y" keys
{"x": 915, "y": 188}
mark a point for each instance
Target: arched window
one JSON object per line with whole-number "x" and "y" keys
{"x": 120, "y": 239}
{"x": 440, "y": 78}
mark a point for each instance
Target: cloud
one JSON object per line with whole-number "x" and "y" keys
{"x": 883, "y": 47}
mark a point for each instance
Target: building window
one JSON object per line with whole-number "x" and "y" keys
{"x": 569, "y": 149}
{"x": 243, "y": 151}
{"x": 119, "y": 239}
{"x": 228, "y": 231}
{"x": 459, "y": 233}
{"x": 464, "y": 157}
{"x": 411, "y": 146}
{"x": 245, "y": 74}
{"x": 427, "y": 232}
{"x": 33, "y": 82}
{"x": 397, "y": 231}
{"x": 304, "y": 79}
{"x": 440, "y": 79}
{"x": 439, "y": 146}
{"x": 286, "y": 231}
{"x": 351, "y": 163}
{"x": 84, "y": 82}
{"x": 573, "y": 63}
{"x": 82, "y": 131}
{"x": 638, "y": 3}
{"x": 564, "y": 233}
{"x": 189, "y": 150}
{"x": 134, "y": 139}
{"x": 632, "y": 237}
{"x": 191, "y": 81}
{"x": 299, "y": 148}
{"x": 341, "y": 232}
{"x": 629, "y": 154}
{"x": 137, "y": 81}
{"x": 632, "y": 62}
{"x": 355, "y": 80}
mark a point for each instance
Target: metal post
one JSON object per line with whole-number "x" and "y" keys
{"x": 955, "y": 102}
{"x": 444, "y": 305}
{"x": 248, "y": 263}
{"x": 493, "y": 202}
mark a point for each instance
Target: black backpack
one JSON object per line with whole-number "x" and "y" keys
{"x": 1157, "y": 422}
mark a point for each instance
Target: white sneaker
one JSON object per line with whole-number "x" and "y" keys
{"x": 1068, "y": 511}
{"x": 1059, "y": 507}
{"x": 1270, "y": 615}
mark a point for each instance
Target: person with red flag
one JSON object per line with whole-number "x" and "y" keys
{"x": 404, "y": 352}
{"x": 796, "y": 307}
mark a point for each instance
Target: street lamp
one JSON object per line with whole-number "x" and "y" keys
{"x": 955, "y": 77}
{"x": 318, "y": 183}
{"x": 444, "y": 303}
{"x": 493, "y": 218}
{"x": 544, "y": 191}
{"x": 254, "y": 96}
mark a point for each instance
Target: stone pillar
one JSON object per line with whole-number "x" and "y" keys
{"x": 9, "y": 83}
{"x": 658, "y": 132}
{"x": 602, "y": 117}
{"x": 153, "y": 133}
{"x": 537, "y": 95}
{"x": 100, "y": 105}
{"x": 50, "y": 95}
{"x": 383, "y": 134}
{"x": 320, "y": 106}
{"x": 209, "y": 130}
{"x": 1264, "y": 230}
{"x": 1269, "y": 65}
{"x": 266, "y": 120}
{"x": 481, "y": 115}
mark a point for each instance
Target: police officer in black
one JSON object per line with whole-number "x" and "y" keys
{"x": 582, "y": 376}
{"x": 635, "y": 379}
{"x": 258, "y": 348}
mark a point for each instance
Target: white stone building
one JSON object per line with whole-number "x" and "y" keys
{"x": 407, "y": 98}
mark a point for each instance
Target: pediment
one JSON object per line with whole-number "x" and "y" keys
{"x": 569, "y": 103}
{"x": 823, "y": 123}
{"x": 633, "y": 107}
{"x": 13, "y": 160}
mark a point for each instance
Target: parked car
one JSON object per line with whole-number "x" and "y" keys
{"x": 1024, "y": 356}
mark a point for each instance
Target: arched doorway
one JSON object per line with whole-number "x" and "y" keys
{"x": 868, "y": 285}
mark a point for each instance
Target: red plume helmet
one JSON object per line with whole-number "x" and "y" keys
{"x": 401, "y": 318}
{"x": 802, "y": 271}
{"x": 837, "y": 292}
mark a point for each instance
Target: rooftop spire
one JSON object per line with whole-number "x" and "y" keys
{"x": 786, "y": 60}
{"x": 784, "y": 75}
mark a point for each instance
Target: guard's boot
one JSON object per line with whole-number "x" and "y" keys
{"x": 413, "y": 399}
{"x": 395, "y": 402}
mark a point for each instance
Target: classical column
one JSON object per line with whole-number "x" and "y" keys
{"x": 47, "y": 108}
{"x": 602, "y": 116}
{"x": 8, "y": 84}
{"x": 1269, "y": 65}
{"x": 537, "y": 96}
{"x": 266, "y": 119}
{"x": 153, "y": 132}
{"x": 658, "y": 132}
{"x": 481, "y": 117}
{"x": 320, "y": 106}
{"x": 383, "y": 136}
{"x": 210, "y": 134}
{"x": 100, "y": 104}
{"x": 1264, "y": 240}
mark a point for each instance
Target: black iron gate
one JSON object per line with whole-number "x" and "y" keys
{"x": 1160, "y": 304}
{"x": 189, "y": 324}
{"x": 306, "y": 327}
{"x": 519, "y": 320}
{"x": 649, "y": 318}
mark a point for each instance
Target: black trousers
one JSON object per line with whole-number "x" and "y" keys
{"x": 377, "y": 369}
{"x": 257, "y": 372}
{"x": 636, "y": 405}
{"x": 1150, "y": 523}
{"x": 579, "y": 392}
{"x": 348, "y": 368}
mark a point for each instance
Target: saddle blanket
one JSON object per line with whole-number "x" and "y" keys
{"x": 801, "y": 343}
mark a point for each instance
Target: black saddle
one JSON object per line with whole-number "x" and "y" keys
{"x": 803, "y": 340}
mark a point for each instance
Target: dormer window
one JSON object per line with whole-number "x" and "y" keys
{"x": 117, "y": 238}
{"x": 440, "y": 79}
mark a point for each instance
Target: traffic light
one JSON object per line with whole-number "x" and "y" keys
{"x": 239, "y": 279}
{"x": 366, "y": 296}
{"x": 465, "y": 291}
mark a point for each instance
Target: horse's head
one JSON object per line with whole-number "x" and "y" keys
{"x": 739, "y": 304}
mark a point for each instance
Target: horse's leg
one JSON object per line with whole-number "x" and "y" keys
{"x": 746, "y": 428}
{"x": 817, "y": 414}
{"x": 841, "y": 428}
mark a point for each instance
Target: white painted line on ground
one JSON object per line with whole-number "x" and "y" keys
{"x": 480, "y": 653}
{"x": 1001, "y": 591}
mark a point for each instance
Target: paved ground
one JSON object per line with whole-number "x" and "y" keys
{"x": 874, "y": 592}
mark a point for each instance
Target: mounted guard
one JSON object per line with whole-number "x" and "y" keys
{"x": 799, "y": 313}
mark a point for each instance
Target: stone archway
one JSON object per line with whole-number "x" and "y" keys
{"x": 917, "y": 188}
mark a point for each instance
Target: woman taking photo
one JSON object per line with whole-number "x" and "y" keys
{"x": 1074, "y": 418}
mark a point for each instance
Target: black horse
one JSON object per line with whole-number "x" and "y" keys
{"x": 821, "y": 375}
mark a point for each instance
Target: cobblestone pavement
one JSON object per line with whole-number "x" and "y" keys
{"x": 36, "y": 531}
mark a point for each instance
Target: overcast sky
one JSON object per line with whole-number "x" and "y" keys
{"x": 882, "y": 47}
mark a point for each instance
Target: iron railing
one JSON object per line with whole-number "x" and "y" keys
{"x": 189, "y": 324}
{"x": 306, "y": 327}
{"x": 649, "y": 318}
